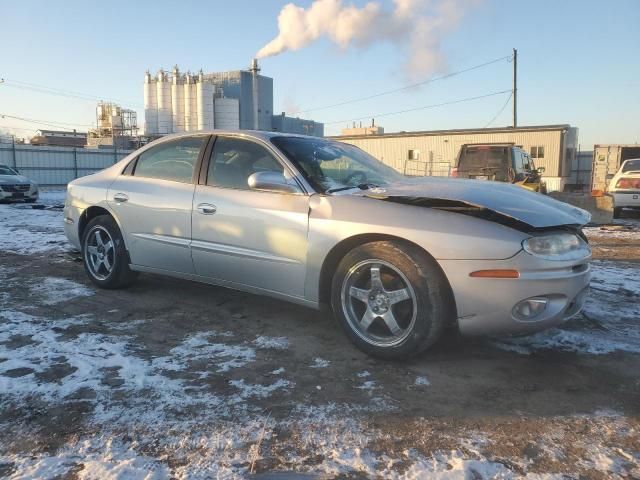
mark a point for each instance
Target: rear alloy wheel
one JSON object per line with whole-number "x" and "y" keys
{"x": 391, "y": 299}
{"x": 104, "y": 254}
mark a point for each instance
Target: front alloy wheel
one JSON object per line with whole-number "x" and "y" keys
{"x": 379, "y": 303}
{"x": 391, "y": 298}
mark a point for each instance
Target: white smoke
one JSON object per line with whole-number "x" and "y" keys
{"x": 414, "y": 25}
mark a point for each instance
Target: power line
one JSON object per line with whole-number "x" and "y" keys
{"x": 408, "y": 87}
{"x": 45, "y": 122}
{"x": 60, "y": 92}
{"x": 500, "y": 111}
{"x": 452, "y": 102}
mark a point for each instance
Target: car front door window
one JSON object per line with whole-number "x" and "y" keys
{"x": 174, "y": 160}
{"x": 234, "y": 160}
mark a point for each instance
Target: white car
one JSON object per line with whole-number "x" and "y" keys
{"x": 16, "y": 187}
{"x": 625, "y": 186}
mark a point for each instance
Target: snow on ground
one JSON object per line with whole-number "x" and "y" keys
{"x": 320, "y": 363}
{"x": 158, "y": 417}
{"x": 277, "y": 343}
{"x": 26, "y": 231}
{"x": 609, "y": 321}
{"x": 55, "y": 290}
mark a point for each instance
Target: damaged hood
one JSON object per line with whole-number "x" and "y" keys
{"x": 516, "y": 203}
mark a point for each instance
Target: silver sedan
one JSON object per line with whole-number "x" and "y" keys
{"x": 322, "y": 223}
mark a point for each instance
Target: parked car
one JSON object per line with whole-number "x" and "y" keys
{"x": 624, "y": 187}
{"x": 322, "y": 223}
{"x": 15, "y": 187}
{"x": 500, "y": 163}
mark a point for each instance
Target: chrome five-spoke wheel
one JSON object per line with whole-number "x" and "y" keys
{"x": 100, "y": 252}
{"x": 379, "y": 303}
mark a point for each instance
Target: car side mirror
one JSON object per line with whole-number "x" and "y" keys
{"x": 540, "y": 169}
{"x": 273, "y": 181}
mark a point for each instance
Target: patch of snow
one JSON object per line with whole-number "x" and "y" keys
{"x": 201, "y": 348}
{"x": 277, "y": 343}
{"x": 56, "y": 290}
{"x": 106, "y": 459}
{"x": 319, "y": 363}
{"x": 259, "y": 391}
{"x": 363, "y": 374}
{"x": 27, "y": 231}
{"x": 278, "y": 371}
{"x": 368, "y": 385}
{"x": 420, "y": 381}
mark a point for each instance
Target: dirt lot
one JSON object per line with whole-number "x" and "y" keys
{"x": 172, "y": 379}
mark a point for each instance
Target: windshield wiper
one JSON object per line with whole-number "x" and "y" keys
{"x": 361, "y": 186}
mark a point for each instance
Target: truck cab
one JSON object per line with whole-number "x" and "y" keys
{"x": 502, "y": 162}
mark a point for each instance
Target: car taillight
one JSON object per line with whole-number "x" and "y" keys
{"x": 454, "y": 172}
{"x": 628, "y": 183}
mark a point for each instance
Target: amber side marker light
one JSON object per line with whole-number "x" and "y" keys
{"x": 495, "y": 274}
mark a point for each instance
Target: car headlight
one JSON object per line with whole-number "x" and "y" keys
{"x": 557, "y": 246}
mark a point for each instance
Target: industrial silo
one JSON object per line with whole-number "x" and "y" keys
{"x": 165, "y": 121}
{"x": 150, "y": 106}
{"x": 204, "y": 101}
{"x": 227, "y": 113}
{"x": 177, "y": 101}
{"x": 190, "y": 106}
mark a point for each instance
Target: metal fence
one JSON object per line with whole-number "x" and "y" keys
{"x": 55, "y": 166}
{"x": 420, "y": 168}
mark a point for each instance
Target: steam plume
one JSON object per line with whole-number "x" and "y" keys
{"x": 417, "y": 25}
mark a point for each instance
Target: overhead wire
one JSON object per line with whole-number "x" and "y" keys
{"x": 408, "y": 87}
{"x": 500, "y": 111}
{"x": 424, "y": 107}
{"x": 45, "y": 122}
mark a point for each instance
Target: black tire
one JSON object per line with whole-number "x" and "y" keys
{"x": 120, "y": 275}
{"x": 617, "y": 212}
{"x": 432, "y": 298}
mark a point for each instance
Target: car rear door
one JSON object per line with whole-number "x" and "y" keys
{"x": 245, "y": 237}
{"x": 152, "y": 201}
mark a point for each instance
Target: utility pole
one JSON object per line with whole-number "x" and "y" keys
{"x": 515, "y": 88}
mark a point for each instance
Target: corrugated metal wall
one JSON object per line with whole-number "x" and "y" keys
{"x": 57, "y": 165}
{"x": 437, "y": 152}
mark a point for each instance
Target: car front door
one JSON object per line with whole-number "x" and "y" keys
{"x": 246, "y": 237}
{"x": 152, "y": 200}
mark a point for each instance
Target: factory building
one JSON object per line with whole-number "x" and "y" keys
{"x": 240, "y": 99}
{"x": 282, "y": 123}
{"x": 435, "y": 152}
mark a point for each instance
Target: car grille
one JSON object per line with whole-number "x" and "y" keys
{"x": 22, "y": 187}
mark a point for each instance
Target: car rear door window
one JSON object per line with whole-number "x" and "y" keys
{"x": 234, "y": 160}
{"x": 174, "y": 160}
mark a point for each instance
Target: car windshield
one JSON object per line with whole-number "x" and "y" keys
{"x": 631, "y": 166}
{"x": 331, "y": 166}
{"x": 4, "y": 170}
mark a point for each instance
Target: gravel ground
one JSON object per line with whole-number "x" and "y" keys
{"x": 173, "y": 379}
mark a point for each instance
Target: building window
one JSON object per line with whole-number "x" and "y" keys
{"x": 414, "y": 155}
{"x": 537, "y": 152}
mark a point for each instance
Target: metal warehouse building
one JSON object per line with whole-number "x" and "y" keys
{"x": 434, "y": 152}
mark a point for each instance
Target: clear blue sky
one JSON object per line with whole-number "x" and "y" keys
{"x": 578, "y": 62}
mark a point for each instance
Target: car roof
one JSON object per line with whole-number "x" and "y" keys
{"x": 263, "y": 135}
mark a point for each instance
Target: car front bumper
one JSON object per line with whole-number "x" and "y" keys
{"x": 626, "y": 199}
{"x": 11, "y": 196}
{"x": 485, "y": 306}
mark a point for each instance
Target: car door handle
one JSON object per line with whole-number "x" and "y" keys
{"x": 206, "y": 208}
{"x": 120, "y": 197}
